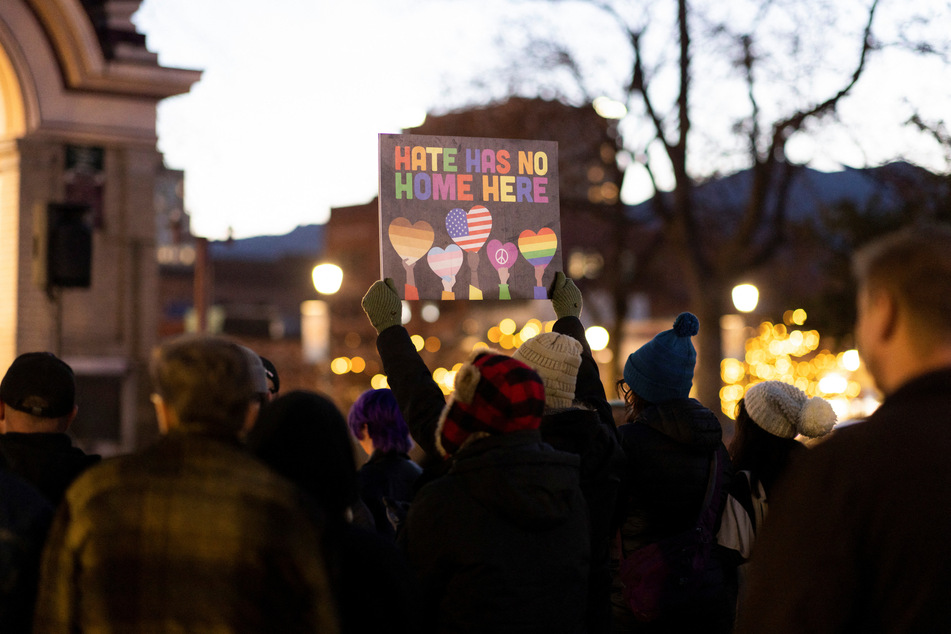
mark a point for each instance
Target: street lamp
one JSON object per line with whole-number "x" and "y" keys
{"x": 315, "y": 313}
{"x": 327, "y": 278}
{"x": 745, "y": 297}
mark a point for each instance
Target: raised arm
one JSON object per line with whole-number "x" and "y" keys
{"x": 419, "y": 397}
{"x": 567, "y": 302}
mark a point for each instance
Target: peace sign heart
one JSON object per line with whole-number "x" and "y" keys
{"x": 469, "y": 230}
{"x": 411, "y": 241}
{"x": 502, "y": 256}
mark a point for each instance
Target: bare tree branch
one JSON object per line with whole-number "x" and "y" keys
{"x": 783, "y": 129}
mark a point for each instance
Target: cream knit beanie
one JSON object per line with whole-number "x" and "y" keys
{"x": 784, "y": 410}
{"x": 556, "y": 358}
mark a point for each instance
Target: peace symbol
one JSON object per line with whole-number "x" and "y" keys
{"x": 502, "y": 256}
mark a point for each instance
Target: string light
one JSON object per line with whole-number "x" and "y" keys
{"x": 777, "y": 353}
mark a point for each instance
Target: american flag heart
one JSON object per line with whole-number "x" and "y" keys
{"x": 469, "y": 230}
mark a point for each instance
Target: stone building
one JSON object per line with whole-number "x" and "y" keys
{"x": 78, "y": 98}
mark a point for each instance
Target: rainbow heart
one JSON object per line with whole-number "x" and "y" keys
{"x": 501, "y": 255}
{"x": 445, "y": 262}
{"x": 538, "y": 248}
{"x": 469, "y": 230}
{"x": 411, "y": 241}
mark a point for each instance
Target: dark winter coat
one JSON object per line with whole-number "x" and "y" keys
{"x": 857, "y": 539}
{"x": 669, "y": 448}
{"x": 500, "y": 543}
{"x": 580, "y": 432}
{"x": 388, "y": 476}
{"x": 48, "y": 461}
{"x": 25, "y": 517}
{"x": 304, "y": 437}
{"x": 587, "y": 433}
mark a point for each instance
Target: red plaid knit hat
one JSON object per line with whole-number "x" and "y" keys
{"x": 494, "y": 394}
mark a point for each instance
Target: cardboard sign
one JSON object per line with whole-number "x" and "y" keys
{"x": 465, "y": 217}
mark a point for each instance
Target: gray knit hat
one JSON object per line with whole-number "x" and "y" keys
{"x": 784, "y": 410}
{"x": 258, "y": 373}
{"x": 556, "y": 358}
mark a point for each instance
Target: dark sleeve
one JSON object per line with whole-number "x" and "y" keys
{"x": 588, "y": 388}
{"x": 420, "y": 399}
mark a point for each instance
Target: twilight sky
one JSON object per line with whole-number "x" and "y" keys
{"x": 284, "y": 123}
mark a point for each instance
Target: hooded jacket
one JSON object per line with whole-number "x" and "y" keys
{"x": 500, "y": 543}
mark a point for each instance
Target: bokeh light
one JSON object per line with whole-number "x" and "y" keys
{"x": 597, "y": 337}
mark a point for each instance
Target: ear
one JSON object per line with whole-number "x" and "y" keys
{"x": 71, "y": 417}
{"x": 889, "y": 315}
{"x": 161, "y": 413}
{"x": 251, "y": 417}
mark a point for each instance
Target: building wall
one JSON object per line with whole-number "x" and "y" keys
{"x": 60, "y": 88}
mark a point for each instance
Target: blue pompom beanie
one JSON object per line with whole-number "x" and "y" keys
{"x": 662, "y": 369}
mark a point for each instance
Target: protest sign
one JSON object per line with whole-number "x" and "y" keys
{"x": 469, "y": 218}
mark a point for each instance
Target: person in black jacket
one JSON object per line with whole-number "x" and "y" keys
{"x": 500, "y": 540}
{"x": 770, "y": 419}
{"x": 304, "y": 437}
{"x": 857, "y": 540}
{"x": 25, "y": 518}
{"x": 669, "y": 445}
{"x": 578, "y": 420}
{"x": 37, "y": 406}
{"x": 388, "y": 478}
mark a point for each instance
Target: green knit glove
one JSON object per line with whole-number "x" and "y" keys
{"x": 565, "y": 297}
{"x": 382, "y": 305}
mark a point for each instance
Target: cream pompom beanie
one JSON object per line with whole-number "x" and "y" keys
{"x": 556, "y": 358}
{"x": 784, "y": 410}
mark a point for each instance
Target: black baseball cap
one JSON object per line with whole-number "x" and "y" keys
{"x": 41, "y": 384}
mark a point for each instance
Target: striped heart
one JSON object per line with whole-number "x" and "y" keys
{"x": 538, "y": 248}
{"x": 411, "y": 241}
{"x": 445, "y": 262}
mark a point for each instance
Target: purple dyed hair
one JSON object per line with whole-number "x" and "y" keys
{"x": 378, "y": 411}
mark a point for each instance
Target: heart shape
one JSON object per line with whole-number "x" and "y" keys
{"x": 501, "y": 255}
{"x": 469, "y": 230}
{"x": 411, "y": 241}
{"x": 445, "y": 262}
{"x": 538, "y": 248}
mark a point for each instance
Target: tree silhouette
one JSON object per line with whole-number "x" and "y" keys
{"x": 774, "y": 80}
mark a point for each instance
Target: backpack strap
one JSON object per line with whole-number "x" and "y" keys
{"x": 707, "y": 518}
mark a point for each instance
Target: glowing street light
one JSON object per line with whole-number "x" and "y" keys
{"x": 609, "y": 108}
{"x": 745, "y": 297}
{"x": 327, "y": 278}
{"x": 597, "y": 337}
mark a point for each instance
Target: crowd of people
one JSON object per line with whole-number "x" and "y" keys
{"x": 531, "y": 509}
